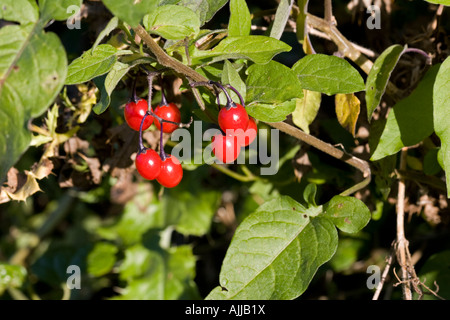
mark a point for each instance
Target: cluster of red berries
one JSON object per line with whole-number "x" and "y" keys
{"x": 166, "y": 169}
{"x": 239, "y": 129}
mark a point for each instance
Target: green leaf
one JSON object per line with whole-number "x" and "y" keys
{"x": 328, "y": 74}
{"x": 57, "y": 9}
{"x": 309, "y": 194}
{"x": 108, "y": 83}
{"x": 91, "y": 64}
{"x": 131, "y": 12}
{"x": 301, "y": 20}
{"x": 101, "y": 259}
{"x": 11, "y": 276}
{"x": 441, "y": 115}
{"x": 51, "y": 267}
{"x": 444, "y": 2}
{"x": 22, "y": 11}
{"x": 205, "y": 9}
{"x": 279, "y": 247}
{"x": 164, "y": 275}
{"x": 111, "y": 26}
{"x": 306, "y": 109}
{"x": 281, "y": 18}
{"x": 272, "y": 83}
{"x": 172, "y": 22}
{"x": 379, "y": 75}
{"x": 231, "y": 76}
{"x": 140, "y": 214}
{"x": 271, "y": 112}
{"x": 33, "y": 66}
{"x": 346, "y": 254}
{"x": 410, "y": 120}
{"x": 190, "y": 207}
{"x": 347, "y": 213}
{"x": 435, "y": 270}
{"x": 240, "y": 20}
{"x": 259, "y": 49}
{"x": 431, "y": 164}
{"x": 136, "y": 263}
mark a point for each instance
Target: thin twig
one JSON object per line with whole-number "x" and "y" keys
{"x": 389, "y": 262}
{"x": 328, "y": 11}
{"x": 401, "y": 242}
{"x": 361, "y": 165}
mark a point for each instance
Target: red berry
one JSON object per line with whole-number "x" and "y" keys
{"x": 171, "y": 172}
{"x": 225, "y": 148}
{"x": 148, "y": 164}
{"x": 168, "y": 112}
{"x": 234, "y": 118}
{"x": 134, "y": 112}
{"x": 249, "y": 134}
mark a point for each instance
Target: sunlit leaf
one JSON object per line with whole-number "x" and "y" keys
{"x": 306, "y": 109}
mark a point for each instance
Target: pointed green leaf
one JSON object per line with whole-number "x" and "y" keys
{"x": 259, "y": 49}
{"x": 301, "y": 20}
{"x": 441, "y": 115}
{"x": 111, "y": 26}
{"x": 108, "y": 83}
{"x": 131, "y": 12}
{"x": 410, "y": 120}
{"x": 379, "y": 75}
{"x": 205, "y": 9}
{"x": 279, "y": 247}
{"x": 240, "y": 20}
{"x": 281, "y": 17}
{"x": 306, "y": 109}
{"x": 309, "y": 194}
{"x": 172, "y": 22}
{"x": 328, "y": 74}
{"x": 231, "y": 76}
{"x": 272, "y": 83}
{"x": 92, "y": 64}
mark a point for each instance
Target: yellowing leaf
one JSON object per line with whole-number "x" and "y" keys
{"x": 29, "y": 188}
{"x": 306, "y": 109}
{"x": 307, "y": 47}
{"x": 347, "y": 111}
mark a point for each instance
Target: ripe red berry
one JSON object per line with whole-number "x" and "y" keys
{"x": 148, "y": 164}
{"x": 134, "y": 112}
{"x": 225, "y": 147}
{"x": 234, "y": 118}
{"x": 171, "y": 172}
{"x": 168, "y": 112}
{"x": 249, "y": 134}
